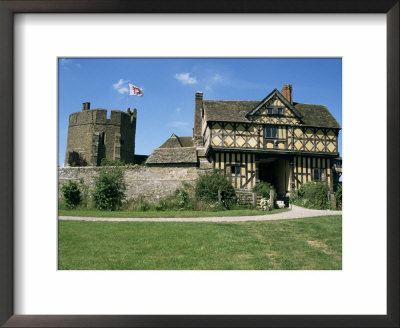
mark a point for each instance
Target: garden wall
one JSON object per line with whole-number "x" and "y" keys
{"x": 153, "y": 183}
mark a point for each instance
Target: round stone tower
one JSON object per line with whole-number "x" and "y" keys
{"x": 92, "y": 136}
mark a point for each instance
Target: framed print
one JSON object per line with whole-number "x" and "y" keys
{"x": 35, "y": 34}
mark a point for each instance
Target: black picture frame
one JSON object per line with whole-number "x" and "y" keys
{"x": 7, "y": 10}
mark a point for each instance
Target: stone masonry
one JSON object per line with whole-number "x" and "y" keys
{"x": 92, "y": 136}
{"x": 152, "y": 183}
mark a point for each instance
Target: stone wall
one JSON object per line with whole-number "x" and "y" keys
{"x": 153, "y": 183}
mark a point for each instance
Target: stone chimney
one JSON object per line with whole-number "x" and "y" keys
{"x": 86, "y": 106}
{"x": 197, "y": 113}
{"x": 287, "y": 93}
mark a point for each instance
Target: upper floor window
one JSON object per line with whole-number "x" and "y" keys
{"x": 271, "y": 131}
{"x": 275, "y": 110}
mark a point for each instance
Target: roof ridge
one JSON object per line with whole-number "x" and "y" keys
{"x": 230, "y": 100}
{"x": 167, "y": 148}
{"x": 297, "y": 103}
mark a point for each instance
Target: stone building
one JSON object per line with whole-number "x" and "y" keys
{"x": 176, "y": 151}
{"x": 92, "y": 136}
{"x": 275, "y": 140}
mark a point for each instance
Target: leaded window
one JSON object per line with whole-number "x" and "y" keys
{"x": 271, "y": 131}
{"x": 275, "y": 110}
{"x": 235, "y": 171}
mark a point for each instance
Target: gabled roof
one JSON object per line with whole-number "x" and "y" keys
{"x": 176, "y": 150}
{"x": 274, "y": 92}
{"x": 175, "y": 141}
{"x": 241, "y": 111}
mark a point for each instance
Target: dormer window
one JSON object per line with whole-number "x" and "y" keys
{"x": 275, "y": 110}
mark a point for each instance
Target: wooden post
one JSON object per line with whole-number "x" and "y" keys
{"x": 272, "y": 198}
{"x": 291, "y": 164}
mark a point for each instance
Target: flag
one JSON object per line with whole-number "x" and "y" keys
{"x": 135, "y": 91}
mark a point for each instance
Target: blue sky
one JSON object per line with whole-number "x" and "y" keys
{"x": 170, "y": 84}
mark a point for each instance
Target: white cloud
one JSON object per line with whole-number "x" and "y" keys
{"x": 65, "y": 61}
{"x": 185, "y": 78}
{"x": 67, "y": 64}
{"x": 178, "y": 109}
{"x": 121, "y": 86}
{"x": 178, "y": 124}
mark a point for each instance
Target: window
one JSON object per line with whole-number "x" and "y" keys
{"x": 275, "y": 110}
{"x": 319, "y": 175}
{"x": 235, "y": 170}
{"x": 101, "y": 141}
{"x": 271, "y": 131}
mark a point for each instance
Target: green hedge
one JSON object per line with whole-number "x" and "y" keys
{"x": 312, "y": 195}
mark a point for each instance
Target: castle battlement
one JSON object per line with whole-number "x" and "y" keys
{"x": 92, "y": 136}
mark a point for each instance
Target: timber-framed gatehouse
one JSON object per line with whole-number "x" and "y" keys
{"x": 275, "y": 140}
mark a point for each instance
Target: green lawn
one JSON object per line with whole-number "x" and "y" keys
{"x": 298, "y": 244}
{"x": 163, "y": 214}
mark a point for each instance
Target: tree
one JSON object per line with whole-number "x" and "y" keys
{"x": 109, "y": 188}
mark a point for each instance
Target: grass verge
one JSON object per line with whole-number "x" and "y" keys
{"x": 299, "y": 244}
{"x": 163, "y": 214}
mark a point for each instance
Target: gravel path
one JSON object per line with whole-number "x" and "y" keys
{"x": 295, "y": 213}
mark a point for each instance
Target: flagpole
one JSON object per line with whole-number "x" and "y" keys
{"x": 127, "y": 95}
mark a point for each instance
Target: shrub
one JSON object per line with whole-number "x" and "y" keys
{"x": 262, "y": 189}
{"x": 144, "y": 206}
{"x": 338, "y": 195}
{"x": 179, "y": 200}
{"x": 109, "y": 188}
{"x": 161, "y": 205}
{"x": 114, "y": 162}
{"x": 182, "y": 198}
{"x": 312, "y": 195}
{"x": 214, "y": 185}
{"x": 72, "y": 194}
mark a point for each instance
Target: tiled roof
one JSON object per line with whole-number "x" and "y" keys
{"x": 236, "y": 111}
{"x": 176, "y": 150}
{"x": 175, "y": 141}
{"x": 227, "y": 111}
{"x": 316, "y": 115}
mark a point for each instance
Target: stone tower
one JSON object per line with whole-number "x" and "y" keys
{"x": 92, "y": 137}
